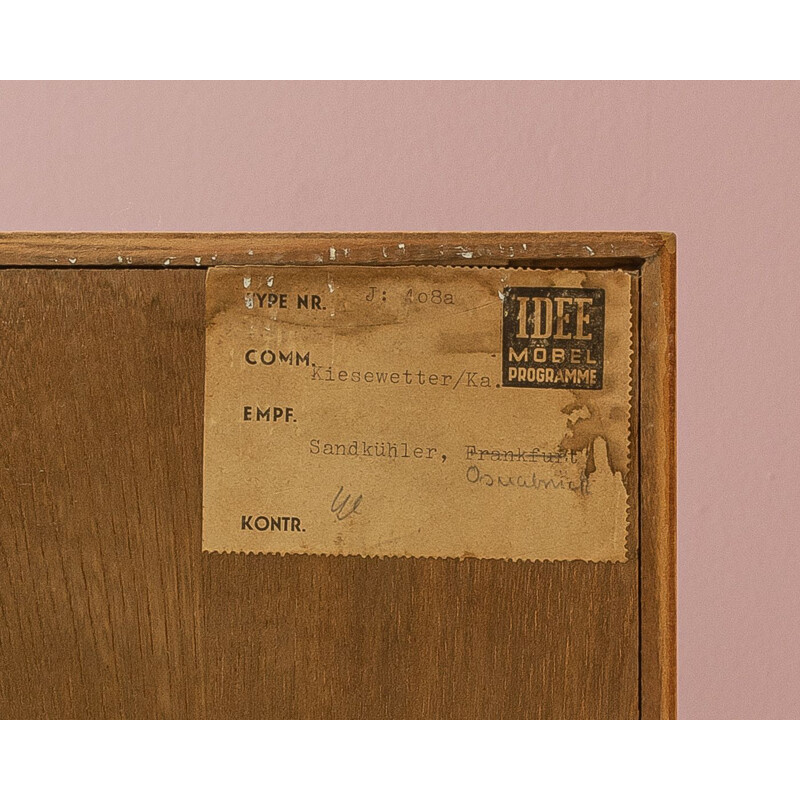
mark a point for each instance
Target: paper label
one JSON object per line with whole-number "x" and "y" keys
{"x": 418, "y": 411}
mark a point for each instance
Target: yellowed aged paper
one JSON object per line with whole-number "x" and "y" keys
{"x": 418, "y": 411}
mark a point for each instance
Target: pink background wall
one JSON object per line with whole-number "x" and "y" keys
{"x": 719, "y": 164}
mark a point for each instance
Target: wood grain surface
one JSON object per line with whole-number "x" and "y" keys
{"x": 109, "y": 609}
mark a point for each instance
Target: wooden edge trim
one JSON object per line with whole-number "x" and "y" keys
{"x": 202, "y": 250}
{"x": 658, "y": 483}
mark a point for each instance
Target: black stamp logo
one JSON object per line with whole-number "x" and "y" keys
{"x": 553, "y": 337}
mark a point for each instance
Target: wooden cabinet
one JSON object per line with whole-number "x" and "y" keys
{"x": 108, "y": 606}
